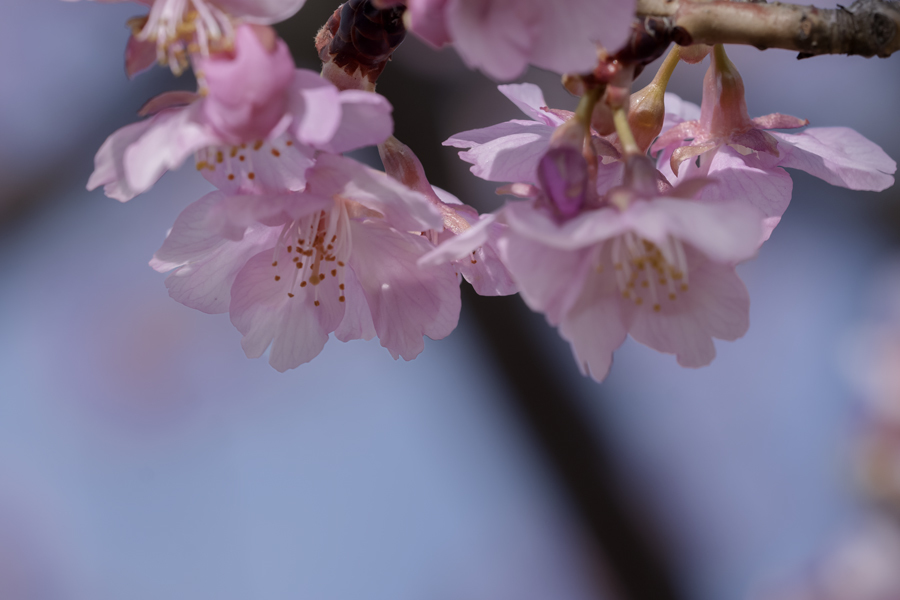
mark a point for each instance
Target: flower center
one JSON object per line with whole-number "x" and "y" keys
{"x": 181, "y": 28}
{"x": 319, "y": 247}
{"x": 647, "y": 274}
{"x": 257, "y": 165}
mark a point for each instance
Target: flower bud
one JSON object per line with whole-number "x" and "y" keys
{"x": 358, "y": 40}
{"x": 647, "y": 113}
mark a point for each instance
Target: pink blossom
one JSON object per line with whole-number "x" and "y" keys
{"x": 174, "y": 30}
{"x": 503, "y": 37}
{"x": 481, "y": 266}
{"x": 512, "y": 151}
{"x": 748, "y": 162}
{"x": 339, "y": 257}
{"x": 653, "y": 265}
{"x": 248, "y": 138}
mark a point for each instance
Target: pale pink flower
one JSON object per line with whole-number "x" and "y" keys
{"x": 748, "y": 161}
{"x": 256, "y": 130}
{"x": 512, "y": 151}
{"x": 503, "y": 37}
{"x": 176, "y": 30}
{"x": 339, "y": 257}
{"x": 653, "y": 265}
{"x": 482, "y": 266}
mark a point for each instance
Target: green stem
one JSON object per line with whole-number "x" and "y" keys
{"x": 587, "y": 103}
{"x": 668, "y": 67}
{"x": 623, "y": 129}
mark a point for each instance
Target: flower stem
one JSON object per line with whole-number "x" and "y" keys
{"x": 623, "y": 129}
{"x": 587, "y": 103}
{"x": 668, "y": 67}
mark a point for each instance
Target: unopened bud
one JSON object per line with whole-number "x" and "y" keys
{"x": 646, "y": 114}
{"x": 357, "y": 42}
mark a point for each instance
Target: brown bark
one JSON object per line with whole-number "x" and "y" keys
{"x": 866, "y": 28}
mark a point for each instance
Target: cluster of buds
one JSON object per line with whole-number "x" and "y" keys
{"x": 630, "y": 215}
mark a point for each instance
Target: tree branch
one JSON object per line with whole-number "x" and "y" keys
{"x": 866, "y": 28}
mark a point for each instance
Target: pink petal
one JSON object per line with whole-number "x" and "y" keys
{"x": 190, "y": 237}
{"x": 519, "y": 190}
{"x": 716, "y": 305}
{"x": 677, "y": 134}
{"x": 530, "y": 100}
{"x": 571, "y": 29}
{"x": 427, "y": 19}
{"x": 171, "y": 137}
{"x": 739, "y": 177}
{"x": 264, "y": 167}
{"x": 549, "y": 279}
{"x": 211, "y": 241}
{"x": 726, "y": 232}
{"x": 495, "y": 36}
{"x": 139, "y": 56}
{"x": 609, "y": 176}
{"x": 596, "y": 325}
{"x": 406, "y": 301}
{"x": 175, "y": 99}
{"x": 678, "y": 111}
{"x": 109, "y": 168}
{"x": 473, "y": 251}
{"x": 357, "y": 322}
{"x": 264, "y": 12}
{"x": 315, "y": 107}
{"x": 587, "y": 229}
{"x": 484, "y": 269}
{"x": 779, "y": 121}
{"x": 457, "y": 247}
{"x": 510, "y": 151}
{"x": 840, "y": 156}
{"x": 365, "y": 121}
{"x": 689, "y": 152}
{"x": 205, "y": 282}
{"x": 757, "y": 140}
{"x": 247, "y": 90}
{"x": 232, "y": 215}
{"x": 402, "y": 207}
{"x": 294, "y": 327}
{"x": 501, "y": 37}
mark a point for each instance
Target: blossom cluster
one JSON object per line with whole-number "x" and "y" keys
{"x": 628, "y": 216}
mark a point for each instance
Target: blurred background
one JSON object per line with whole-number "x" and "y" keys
{"x": 142, "y": 456}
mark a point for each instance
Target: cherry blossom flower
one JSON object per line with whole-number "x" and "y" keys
{"x": 502, "y": 37}
{"x": 291, "y": 268}
{"x": 511, "y": 151}
{"x": 747, "y": 161}
{"x": 256, "y": 130}
{"x": 656, "y": 265}
{"x": 481, "y": 267}
{"x": 175, "y": 30}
